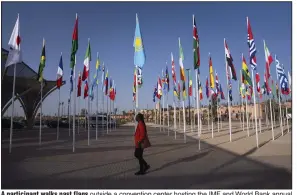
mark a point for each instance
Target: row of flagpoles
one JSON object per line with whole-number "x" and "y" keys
{"x": 213, "y": 88}
{"x": 108, "y": 85}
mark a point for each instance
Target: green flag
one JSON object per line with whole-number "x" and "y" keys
{"x": 41, "y": 64}
{"x": 74, "y": 44}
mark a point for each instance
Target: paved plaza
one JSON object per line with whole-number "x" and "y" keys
{"x": 108, "y": 163}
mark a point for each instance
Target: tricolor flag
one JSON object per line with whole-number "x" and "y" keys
{"x": 196, "y": 45}
{"x": 87, "y": 62}
{"x": 79, "y": 85}
{"x": 86, "y": 89}
{"x": 207, "y": 88}
{"x": 14, "y": 43}
{"x": 41, "y": 64}
{"x": 190, "y": 84}
{"x": 211, "y": 79}
{"x": 246, "y": 79}
{"x": 268, "y": 59}
{"x": 252, "y": 45}
{"x": 229, "y": 61}
{"x": 181, "y": 59}
{"x": 139, "y": 55}
{"x": 60, "y": 73}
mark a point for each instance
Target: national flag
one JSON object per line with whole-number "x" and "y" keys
{"x": 268, "y": 59}
{"x": 103, "y": 77}
{"x": 74, "y": 47}
{"x": 91, "y": 91}
{"x": 106, "y": 83}
{"x": 211, "y": 79}
{"x": 258, "y": 82}
{"x": 184, "y": 90}
{"x": 86, "y": 89}
{"x": 222, "y": 93}
{"x": 200, "y": 91}
{"x": 290, "y": 80}
{"x": 14, "y": 43}
{"x": 181, "y": 59}
{"x": 281, "y": 76}
{"x": 267, "y": 88}
{"x": 139, "y": 77}
{"x": 159, "y": 88}
{"x": 230, "y": 89}
{"x": 252, "y": 45}
{"x": 190, "y": 84}
{"x": 175, "y": 91}
{"x": 217, "y": 84}
{"x": 173, "y": 70}
{"x": 96, "y": 80}
{"x": 242, "y": 90}
{"x": 229, "y": 61}
{"x": 112, "y": 91}
{"x": 207, "y": 88}
{"x": 167, "y": 79}
{"x": 79, "y": 85}
{"x": 139, "y": 54}
{"x": 246, "y": 79}
{"x": 87, "y": 62}
{"x": 196, "y": 45}
{"x": 155, "y": 94}
{"x": 60, "y": 73}
{"x": 41, "y": 64}
{"x": 71, "y": 80}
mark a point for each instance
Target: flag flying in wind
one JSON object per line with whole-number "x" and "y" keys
{"x": 14, "y": 43}
{"x": 190, "y": 84}
{"x": 258, "y": 82}
{"x": 268, "y": 59}
{"x": 217, "y": 84}
{"x": 167, "y": 79}
{"x": 179, "y": 90}
{"x": 283, "y": 81}
{"x": 41, "y": 64}
{"x": 79, "y": 85}
{"x": 290, "y": 80}
{"x": 181, "y": 59}
{"x": 173, "y": 70}
{"x": 207, "y": 88}
{"x": 96, "y": 80}
{"x": 252, "y": 45}
{"x": 106, "y": 83}
{"x": 211, "y": 79}
{"x": 229, "y": 61}
{"x": 267, "y": 88}
{"x": 103, "y": 76}
{"x": 196, "y": 45}
{"x": 246, "y": 79}
{"x": 74, "y": 47}
{"x": 222, "y": 93}
{"x": 139, "y": 54}
{"x": 200, "y": 91}
{"x": 87, "y": 62}
{"x": 60, "y": 73}
{"x": 159, "y": 88}
{"x": 155, "y": 94}
{"x": 86, "y": 89}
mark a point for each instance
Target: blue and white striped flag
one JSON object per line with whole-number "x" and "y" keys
{"x": 252, "y": 46}
{"x": 281, "y": 76}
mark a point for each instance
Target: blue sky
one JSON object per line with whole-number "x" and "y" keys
{"x": 111, "y": 26}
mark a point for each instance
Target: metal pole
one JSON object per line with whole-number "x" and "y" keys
{"x": 255, "y": 110}
{"x": 58, "y": 126}
{"x": 74, "y": 108}
{"x": 12, "y": 111}
{"x": 40, "y": 118}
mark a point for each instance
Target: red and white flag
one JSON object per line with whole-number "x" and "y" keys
{"x": 86, "y": 90}
{"x": 79, "y": 85}
{"x": 60, "y": 73}
{"x": 268, "y": 59}
{"x": 14, "y": 44}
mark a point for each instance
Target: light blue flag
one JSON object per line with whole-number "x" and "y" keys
{"x": 139, "y": 55}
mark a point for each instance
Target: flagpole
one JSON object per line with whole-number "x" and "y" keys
{"x": 88, "y": 103}
{"x": 174, "y": 117}
{"x": 271, "y": 119}
{"x": 240, "y": 101}
{"x": 160, "y": 112}
{"x": 58, "y": 126}
{"x": 12, "y": 111}
{"x": 97, "y": 100}
{"x": 218, "y": 113}
{"x": 208, "y": 115}
{"x": 167, "y": 110}
{"x": 78, "y": 121}
{"x": 184, "y": 116}
{"x": 136, "y": 99}
{"x": 85, "y": 114}
{"x": 179, "y": 113}
{"x": 40, "y": 116}
{"x": 229, "y": 108}
{"x": 211, "y": 117}
{"x": 74, "y": 107}
{"x": 163, "y": 121}
{"x": 107, "y": 113}
{"x": 279, "y": 103}
{"x": 198, "y": 105}
{"x": 69, "y": 114}
{"x": 110, "y": 113}
{"x": 255, "y": 109}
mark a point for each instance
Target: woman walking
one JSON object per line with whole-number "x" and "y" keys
{"x": 141, "y": 141}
